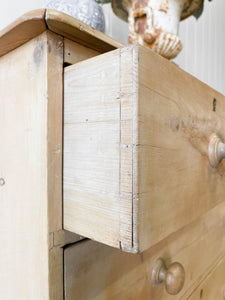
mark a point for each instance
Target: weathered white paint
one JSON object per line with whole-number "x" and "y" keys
{"x": 203, "y": 43}
{"x": 161, "y": 34}
{"x": 203, "y": 40}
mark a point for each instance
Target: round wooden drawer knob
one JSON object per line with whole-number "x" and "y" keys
{"x": 216, "y": 150}
{"x": 174, "y": 276}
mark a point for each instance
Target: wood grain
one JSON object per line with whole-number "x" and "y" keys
{"x": 37, "y": 21}
{"x": 137, "y": 128}
{"x": 86, "y": 123}
{"x": 54, "y": 138}
{"x": 95, "y": 271}
{"x": 176, "y": 183}
{"x": 31, "y": 165}
{"x": 77, "y": 31}
{"x": 22, "y": 30}
{"x": 97, "y": 162}
{"x": 213, "y": 286}
{"x": 74, "y": 52}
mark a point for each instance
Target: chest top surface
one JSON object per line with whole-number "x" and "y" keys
{"x": 37, "y": 21}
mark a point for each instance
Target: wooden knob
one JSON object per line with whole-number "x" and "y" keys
{"x": 216, "y": 150}
{"x": 174, "y": 276}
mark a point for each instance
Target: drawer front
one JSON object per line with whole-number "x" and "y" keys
{"x": 96, "y": 271}
{"x": 136, "y": 136}
{"x": 213, "y": 287}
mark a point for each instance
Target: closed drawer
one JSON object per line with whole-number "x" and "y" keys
{"x": 95, "y": 271}
{"x": 212, "y": 286}
{"x": 136, "y": 136}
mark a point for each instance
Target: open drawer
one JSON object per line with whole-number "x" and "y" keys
{"x": 137, "y": 130}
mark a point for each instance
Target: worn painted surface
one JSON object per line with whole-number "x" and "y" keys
{"x": 155, "y": 23}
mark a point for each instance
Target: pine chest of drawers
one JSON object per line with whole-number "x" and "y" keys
{"x": 111, "y": 170}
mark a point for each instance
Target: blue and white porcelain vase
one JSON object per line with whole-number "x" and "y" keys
{"x": 87, "y": 11}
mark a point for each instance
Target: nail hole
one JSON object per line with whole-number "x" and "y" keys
{"x": 201, "y": 293}
{"x": 2, "y": 181}
{"x": 214, "y": 104}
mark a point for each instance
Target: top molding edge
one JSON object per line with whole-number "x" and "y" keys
{"x": 37, "y": 21}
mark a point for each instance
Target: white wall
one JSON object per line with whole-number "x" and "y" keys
{"x": 12, "y": 9}
{"x": 203, "y": 53}
{"x": 115, "y": 27}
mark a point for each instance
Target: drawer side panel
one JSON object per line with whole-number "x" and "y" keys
{"x": 98, "y": 149}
